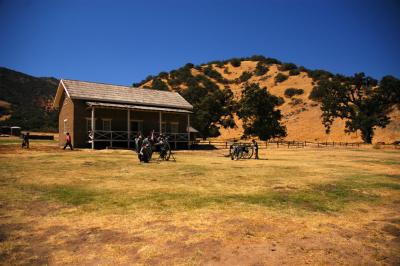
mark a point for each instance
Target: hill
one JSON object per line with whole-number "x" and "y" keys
{"x": 301, "y": 108}
{"x": 26, "y": 101}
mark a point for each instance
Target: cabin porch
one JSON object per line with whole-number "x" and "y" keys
{"x": 116, "y": 125}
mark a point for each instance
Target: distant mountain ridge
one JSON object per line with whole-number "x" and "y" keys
{"x": 26, "y": 101}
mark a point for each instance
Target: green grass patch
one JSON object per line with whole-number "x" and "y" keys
{"x": 69, "y": 194}
{"x": 387, "y": 185}
{"x": 317, "y": 198}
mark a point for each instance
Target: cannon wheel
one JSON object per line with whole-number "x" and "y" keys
{"x": 232, "y": 149}
{"x": 248, "y": 152}
{"x": 167, "y": 154}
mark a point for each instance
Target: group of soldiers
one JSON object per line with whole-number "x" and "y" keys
{"x": 144, "y": 146}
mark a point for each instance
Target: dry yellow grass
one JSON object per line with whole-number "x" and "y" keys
{"x": 300, "y": 206}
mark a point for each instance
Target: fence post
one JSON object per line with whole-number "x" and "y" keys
{"x": 226, "y": 144}
{"x": 266, "y": 144}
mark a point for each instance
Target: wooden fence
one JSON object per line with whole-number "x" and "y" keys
{"x": 292, "y": 144}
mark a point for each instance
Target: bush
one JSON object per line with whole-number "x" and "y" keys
{"x": 189, "y": 66}
{"x": 245, "y": 76}
{"x": 235, "y": 62}
{"x": 181, "y": 75}
{"x": 174, "y": 82}
{"x": 212, "y": 73}
{"x": 261, "y": 69}
{"x": 302, "y": 69}
{"x": 294, "y": 72}
{"x": 163, "y": 75}
{"x": 270, "y": 61}
{"x": 317, "y": 93}
{"x": 257, "y": 58}
{"x": 287, "y": 66}
{"x": 280, "y": 78}
{"x": 319, "y": 74}
{"x": 158, "y": 84}
{"x": 290, "y": 92}
{"x": 191, "y": 82}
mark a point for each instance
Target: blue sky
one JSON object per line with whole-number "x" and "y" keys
{"x": 122, "y": 42}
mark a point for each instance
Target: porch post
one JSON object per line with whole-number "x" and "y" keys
{"x": 188, "y": 131}
{"x": 160, "y": 115}
{"x": 93, "y": 127}
{"x": 129, "y": 127}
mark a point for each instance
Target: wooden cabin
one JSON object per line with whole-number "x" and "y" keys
{"x": 101, "y": 115}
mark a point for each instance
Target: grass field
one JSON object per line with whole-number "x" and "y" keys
{"x": 295, "y": 207}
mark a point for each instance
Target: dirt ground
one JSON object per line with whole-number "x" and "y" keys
{"x": 203, "y": 213}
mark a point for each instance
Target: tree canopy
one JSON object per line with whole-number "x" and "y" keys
{"x": 212, "y": 108}
{"x": 257, "y": 109}
{"x": 359, "y": 101}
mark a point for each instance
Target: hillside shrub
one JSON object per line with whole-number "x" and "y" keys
{"x": 189, "y": 66}
{"x": 294, "y": 72}
{"x": 319, "y": 74}
{"x": 235, "y": 62}
{"x": 270, "y": 61}
{"x": 257, "y": 58}
{"x": 287, "y": 66}
{"x": 163, "y": 75}
{"x": 212, "y": 73}
{"x": 181, "y": 75}
{"x": 318, "y": 93}
{"x": 280, "y": 78}
{"x": 261, "y": 69}
{"x": 158, "y": 84}
{"x": 245, "y": 76}
{"x": 290, "y": 92}
{"x": 302, "y": 69}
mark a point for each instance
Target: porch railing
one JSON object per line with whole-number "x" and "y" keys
{"x": 103, "y": 135}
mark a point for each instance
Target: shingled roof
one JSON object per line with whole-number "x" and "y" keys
{"x": 92, "y": 91}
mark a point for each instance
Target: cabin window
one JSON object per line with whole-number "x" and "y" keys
{"x": 66, "y": 129}
{"x": 174, "y": 127}
{"x": 137, "y": 125}
{"x": 89, "y": 124}
{"x": 107, "y": 124}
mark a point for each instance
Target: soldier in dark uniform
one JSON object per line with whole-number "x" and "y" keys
{"x": 25, "y": 140}
{"x": 255, "y": 145}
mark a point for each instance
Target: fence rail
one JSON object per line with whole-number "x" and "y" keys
{"x": 293, "y": 144}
